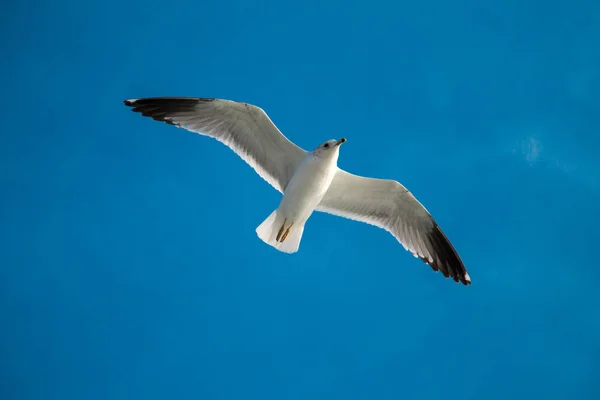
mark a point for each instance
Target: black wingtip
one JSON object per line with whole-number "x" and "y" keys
{"x": 447, "y": 261}
{"x": 163, "y": 108}
{"x": 167, "y": 100}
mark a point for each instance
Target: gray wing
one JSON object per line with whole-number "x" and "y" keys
{"x": 244, "y": 128}
{"x": 389, "y": 205}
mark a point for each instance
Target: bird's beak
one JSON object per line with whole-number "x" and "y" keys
{"x": 342, "y": 140}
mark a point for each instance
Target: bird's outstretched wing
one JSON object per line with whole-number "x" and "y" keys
{"x": 244, "y": 128}
{"x": 389, "y": 205}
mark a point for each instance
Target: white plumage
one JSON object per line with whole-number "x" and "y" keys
{"x": 309, "y": 181}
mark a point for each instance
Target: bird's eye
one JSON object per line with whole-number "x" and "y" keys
{"x": 326, "y": 145}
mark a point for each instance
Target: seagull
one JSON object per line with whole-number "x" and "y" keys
{"x": 309, "y": 181}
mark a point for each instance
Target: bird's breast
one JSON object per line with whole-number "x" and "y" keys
{"x": 306, "y": 188}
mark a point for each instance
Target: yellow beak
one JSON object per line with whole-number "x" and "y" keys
{"x": 342, "y": 140}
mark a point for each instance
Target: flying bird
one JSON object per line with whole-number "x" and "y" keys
{"x": 309, "y": 181}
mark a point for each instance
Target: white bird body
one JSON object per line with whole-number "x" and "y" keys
{"x": 309, "y": 181}
{"x": 307, "y": 187}
{"x": 301, "y": 197}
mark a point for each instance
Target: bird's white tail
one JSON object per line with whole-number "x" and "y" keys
{"x": 280, "y": 233}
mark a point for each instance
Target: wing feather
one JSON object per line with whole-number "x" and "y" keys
{"x": 390, "y": 206}
{"x": 244, "y": 128}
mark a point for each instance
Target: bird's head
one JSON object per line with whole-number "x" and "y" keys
{"x": 330, "y": 148}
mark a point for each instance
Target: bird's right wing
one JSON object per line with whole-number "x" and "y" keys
{"x": 244, "y": 128}
{"x": 389, "y": 205}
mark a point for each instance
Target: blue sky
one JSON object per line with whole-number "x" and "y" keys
{"x": 129, "y": 264}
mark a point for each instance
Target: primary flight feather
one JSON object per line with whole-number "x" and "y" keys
{"x": 309, "y": 181}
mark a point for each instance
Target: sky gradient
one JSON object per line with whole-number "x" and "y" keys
{"x": 129, "y": 264}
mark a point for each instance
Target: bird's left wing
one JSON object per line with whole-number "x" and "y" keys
{"x": 244, "y": 128}
{"x": 389, "y": 205}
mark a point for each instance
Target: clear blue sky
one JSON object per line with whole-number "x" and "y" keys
{"x": 129, "y": 264}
